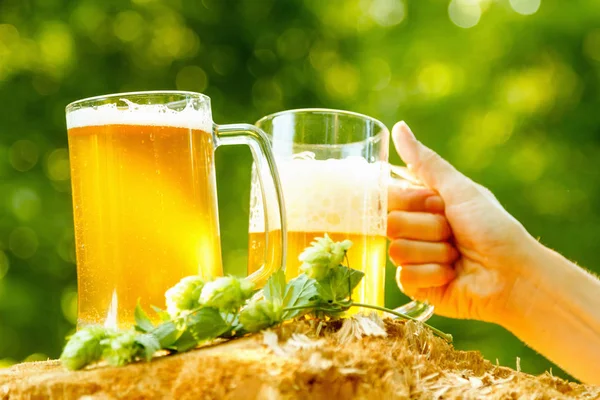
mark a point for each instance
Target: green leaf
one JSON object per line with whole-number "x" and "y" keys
{"x": 185, "y": 342}
{"x": 275, "y": 287}
{"x": 338, "y": 284}
{"x": 300, "y": 291}
{"x": 142, "y": 322}
{"x": 150, "y": 344}
{"x": 162, "y": 314}
{"x": 166, "y": 333}
{"x": 206, "y": 323}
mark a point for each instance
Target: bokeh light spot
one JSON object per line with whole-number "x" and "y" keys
{"x": 498, "y": 126}
{"x": 464, "y": 13}
{"x": 56, "y": 46}
{"x": 23, "y": 155}
{"x": 88, "y": 17}
{"x": 293, "y": 44}
{"x": 224, "y": 60}
{"x": 387, "y": 12}
{"x": 36, "y": 357}
{"x": 528, "y": 162}
{"x": 267, "y": 94}
{"x": 68, "y": 304}
{"x": 322, "y": 55}
{"x": 128, "y": 26}
{"x": 551, "y": 198}
{"x": 23, "y": 242}
{"x": 6, "y": 362}
{"x": 525, "y": 7}
{"x": 25, "y": 203}
{"x": 378, "y": 73}
{"x": 591, "y": 45}
{"x": 435, "y": 80}
{"x": 9, "y": 36}
{"x": 66, "y": 247}
{"x": 192, "y": 78}
{"x": 57, "y": 165}
{"x": 4, "y": 264}
{"x": 530, "y": 90}
{"x": 341, "y": 80}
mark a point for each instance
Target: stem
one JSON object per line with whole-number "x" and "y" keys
{"x": 443, "y": 335}
{"x": 446, "y": 336}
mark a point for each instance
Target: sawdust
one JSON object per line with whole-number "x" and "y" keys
{"x": 294, "y": 362}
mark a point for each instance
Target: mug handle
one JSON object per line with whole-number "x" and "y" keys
{"x": 418, "y": 310}
{"x": 264, "y": 160}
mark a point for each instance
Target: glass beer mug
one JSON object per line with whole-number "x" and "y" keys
{"x": 335, "y": 174}
{"x": 145, "y": 201}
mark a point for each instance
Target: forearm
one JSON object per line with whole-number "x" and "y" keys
{"x": 556, "y": 311}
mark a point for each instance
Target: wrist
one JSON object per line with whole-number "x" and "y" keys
{"x": 536, "y": 275}
{"x": 553, "y": 307}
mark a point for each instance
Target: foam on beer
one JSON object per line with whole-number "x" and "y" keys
{"x": 136, "y": 114}
{"x": 347, "y": 195}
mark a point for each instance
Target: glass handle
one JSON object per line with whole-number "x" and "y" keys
{"x": 264, "y": 160}
{"x": 419, "y": 310}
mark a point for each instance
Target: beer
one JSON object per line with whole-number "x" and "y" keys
{"x": 344, "y": 198}
{"x": 144, "y": 200}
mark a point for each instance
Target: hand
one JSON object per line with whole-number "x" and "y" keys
{"x": 467, "y": 263}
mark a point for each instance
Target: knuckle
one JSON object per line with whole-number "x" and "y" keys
{"x": 442, "y": 227}
{"x": 398, "y": 251}
{"x": 450, "y": 253}
{"x": 396, "y": 223}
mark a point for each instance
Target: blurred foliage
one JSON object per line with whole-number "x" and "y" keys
{"x": 506, "y": 90}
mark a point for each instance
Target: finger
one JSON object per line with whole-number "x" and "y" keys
{"x": 418, "y": 226}
{"x": 405, "y": 251}
{"x": 425, "y": 275}
{"x": 430, "y": 168}
{"x": 414, "y": 199}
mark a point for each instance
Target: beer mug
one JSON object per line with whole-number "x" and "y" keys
{"x": 145, "y": 200}
{"x": 335, "y": 174}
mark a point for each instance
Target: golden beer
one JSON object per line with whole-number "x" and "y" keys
{"x": 145, "y": 209}
{"x": 368, "y": 254}
{"x": 345, "y": 199}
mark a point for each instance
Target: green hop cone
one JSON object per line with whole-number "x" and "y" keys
{"x": 84, "y": 347}
{"x": 226, "y": 293}
{"x": 184, "y": 296}
{"x": 121, "y": 348}
{"x": 322, "y": 255}
{"x": 261, "y": 314}
{"x": 338, "y": 252}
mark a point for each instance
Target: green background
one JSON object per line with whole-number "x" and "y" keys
{"x": 511, "y": 99}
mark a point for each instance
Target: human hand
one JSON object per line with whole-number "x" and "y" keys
{"x": 455, "y": 245}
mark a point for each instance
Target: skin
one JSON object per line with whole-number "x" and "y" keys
{"x": 459, "y": 249}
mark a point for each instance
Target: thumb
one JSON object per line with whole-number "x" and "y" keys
{"x": 430, "y": 168}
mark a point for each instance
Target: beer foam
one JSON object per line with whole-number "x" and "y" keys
{"x": 347, "y": 195}
{"x": 146, "y": 114}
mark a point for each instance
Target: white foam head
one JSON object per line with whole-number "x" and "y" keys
{"x": 348, "y": 196}
{"x": 137, "y": 114}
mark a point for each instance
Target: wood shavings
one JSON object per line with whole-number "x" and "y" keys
{"x": 291, "y": 362}
{"x": 359, "y": 325}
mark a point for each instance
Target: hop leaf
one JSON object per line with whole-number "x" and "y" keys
{"x": 322, "y": 255}
{"x": 84, "y": 347}
{"x": 227, "y": 293}
{"x": 259, "y": 315}
{"x": 184, "y": 296}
